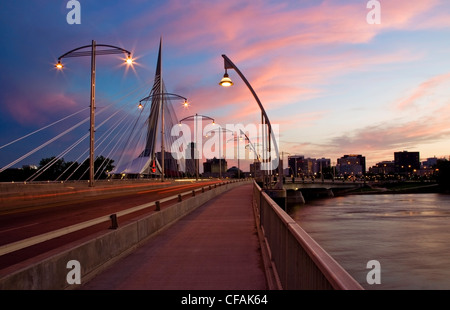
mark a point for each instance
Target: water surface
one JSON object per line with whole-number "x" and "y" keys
{"x": 409, "y": 234}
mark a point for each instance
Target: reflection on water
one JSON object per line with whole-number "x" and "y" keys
{"x": 409, "y": 234}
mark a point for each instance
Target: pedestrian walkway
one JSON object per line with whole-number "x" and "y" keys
{"x": 216, "y": 247}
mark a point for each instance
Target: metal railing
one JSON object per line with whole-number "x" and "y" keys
{"x": 300, "y": 262}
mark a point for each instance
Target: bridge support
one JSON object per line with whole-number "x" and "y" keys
{"x": 279, "y": 196}
{"x": 294, "y": 196}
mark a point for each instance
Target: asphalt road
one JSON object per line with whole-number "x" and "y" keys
{"x": 23, "y": 223}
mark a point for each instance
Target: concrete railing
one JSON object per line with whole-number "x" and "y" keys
{"x": 99, "y": 251}
{"x": 299, "y": 261}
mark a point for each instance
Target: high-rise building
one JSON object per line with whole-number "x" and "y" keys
{"x": 406, "y": 163}
{"x": 351, "y": 165}
{"x": 296, "y": 165}
{"x": 190, "y": 159}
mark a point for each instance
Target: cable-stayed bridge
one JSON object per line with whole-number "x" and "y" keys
{"x": 130, "y": 138}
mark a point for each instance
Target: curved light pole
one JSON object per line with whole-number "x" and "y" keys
{"x": 93, "y": 52}
{"x": 163, "y": 96}
{"x": 226, "y": 82}
{"x": 195, "y": 118}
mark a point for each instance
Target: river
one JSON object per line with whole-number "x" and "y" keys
{"x": 408, "y": 234}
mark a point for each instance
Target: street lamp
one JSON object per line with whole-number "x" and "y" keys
{"x": 195, "y": 118}
{"x": 93, "y": 52}
{"x": 226, "y": 82}
{"x": 162, "y": 96}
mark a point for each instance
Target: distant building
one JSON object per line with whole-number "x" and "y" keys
{"x": 212, "y": 167}
{"x": 296, "y": 165}
{"x": 351, "y": 165}
{"x": 428, "y": 167}
{"x": 322, "y": 164}
{"x": 383, "y": 168}
{"x": 429, "y": 163}
{"x": 406, "y": 163}
{"x": 171, "y": 167}
{"x": 190, "y": 159}
{"x": 299, "y": 166}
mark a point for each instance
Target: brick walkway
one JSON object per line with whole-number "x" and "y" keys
{"x": 215, "y": 247}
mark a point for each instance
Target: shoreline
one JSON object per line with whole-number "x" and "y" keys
{"x": 423, "y": 189}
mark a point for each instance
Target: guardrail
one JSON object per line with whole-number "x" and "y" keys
{"x": 299, "y": 262}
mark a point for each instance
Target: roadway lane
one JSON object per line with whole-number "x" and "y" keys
{"x": 29, "y": 222}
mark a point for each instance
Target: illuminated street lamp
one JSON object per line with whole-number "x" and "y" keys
{"x": 93, "y": 52}
{"x": 226, "y": 82}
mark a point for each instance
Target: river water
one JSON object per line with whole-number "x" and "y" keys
{"x": 408, "y": 234}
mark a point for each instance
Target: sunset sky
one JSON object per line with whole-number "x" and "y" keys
{"x": 334, "y": 83}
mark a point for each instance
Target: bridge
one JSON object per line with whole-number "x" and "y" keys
{"x": 212, "y": 235}
{"x": 301, "y": 191}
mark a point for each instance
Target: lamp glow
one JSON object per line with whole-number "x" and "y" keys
{"x": 59, "y": 65}
{"x": 129, "y": 60}
{"x": 226, "y": 81}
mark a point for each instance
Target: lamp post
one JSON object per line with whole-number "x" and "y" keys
{"x": 162, "y": 96}
{"x": 226, "y": 82}
{"x": 195, "y": 118}
{"x": 93, "y": 52}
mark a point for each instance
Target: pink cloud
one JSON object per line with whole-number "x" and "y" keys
{"x": 422, "y": 90}
{"x": 41, "y": 108}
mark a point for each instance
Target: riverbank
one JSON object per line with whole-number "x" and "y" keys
{"x": 396, "y": 188}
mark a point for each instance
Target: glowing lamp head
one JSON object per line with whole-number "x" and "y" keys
{"x": 226, "y": 81}
{"x": 186, "y": 104}
{"x": 129, "y": 60}
{"x": 59, "y": 65}
{"x": 140, "y": 106}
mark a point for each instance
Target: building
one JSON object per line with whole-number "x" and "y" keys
{"x": 322, "y": 164}
{"x": 383, "y": 168}
{"x": 296, "y": 164}
{"x": 406, "y": 163}
{"x": 190, "y": 159}
{"x": 171, "y": 167}
{"x": 212, "y": 167}
{"x": 351, "y": 165}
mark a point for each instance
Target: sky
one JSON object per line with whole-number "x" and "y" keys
{"x": 334, "y": 83}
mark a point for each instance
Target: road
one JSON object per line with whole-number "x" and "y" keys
{"x": 22, "y": 223}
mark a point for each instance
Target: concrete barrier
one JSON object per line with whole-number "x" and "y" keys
{"x": 94, "y": 254}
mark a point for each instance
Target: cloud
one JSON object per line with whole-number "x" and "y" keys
{"x": 423, "y": 90}
{"x": 388, "y": 137}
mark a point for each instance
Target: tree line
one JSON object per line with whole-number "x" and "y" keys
{"x": 52, "y": 169}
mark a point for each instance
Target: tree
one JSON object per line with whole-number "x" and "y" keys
{"x": 443, "y": 175}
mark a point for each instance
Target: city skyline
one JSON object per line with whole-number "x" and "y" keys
{"x": 334, "y": 83}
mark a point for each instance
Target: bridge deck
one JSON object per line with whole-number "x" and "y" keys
{"x": 215, "y": 247}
